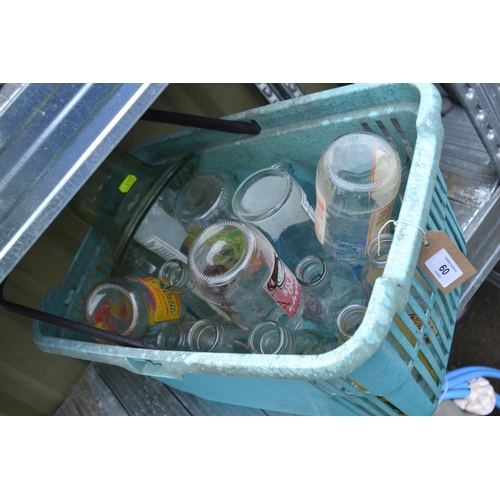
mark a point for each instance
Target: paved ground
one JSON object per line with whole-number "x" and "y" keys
{"x": 477, "y": 335}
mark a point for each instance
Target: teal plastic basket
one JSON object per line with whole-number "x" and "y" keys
{"x": 381, "y": 370}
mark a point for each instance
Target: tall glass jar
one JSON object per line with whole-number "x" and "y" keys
{"x": 268, "y": 337}
{"x": 203, "y": 200}
{"x": 273, "y": 200}
{"x": 130, "y": 306}
{"x": 328, "y": 286}
{"x": 236, "y": 268}
{"x": 357, "y": 181}
{"x": 174, "y": 276}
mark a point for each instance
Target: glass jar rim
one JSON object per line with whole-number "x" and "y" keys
{"x": 346, "y": 313}
{"x": 268, "y": 211}
{"x": 302, "y": 265}
{"x": 217, "y": 184}
{"x": 227, "y": 276}
{"x": 101, "y": 287}
{"x": 346, "y": 185}
{"x": 385, "y": 240}
{"x": 276, "y": 328}
{"x": 201, "y": 324}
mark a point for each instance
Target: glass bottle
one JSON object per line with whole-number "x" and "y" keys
{"x": 130, "y": 306}
{"x": 357, "y": 181}
{"x": 268, "y": 337}
{"x": 236, "y": 268}
{"x": 203, "y": 200}
{"x": 328, "y": 286}
{"x": 174, "y": 276}
{"x": 200, "y": 336}
{"x": 272, "y": 200}
{"x": 161, "y": 233}
{"x": 349, "y": 320}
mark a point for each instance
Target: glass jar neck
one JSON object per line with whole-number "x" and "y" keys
{"x": 174, "y": 275}
{"x": 312, "y": 272}
{"x": 206, "y": 336}
{"x": 348, "y": 321}
{"x": 378, "y": 249}
{"x": 270, "y": 338}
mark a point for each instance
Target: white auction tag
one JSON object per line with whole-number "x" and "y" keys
{"x": 444, "y": 268}
{"x": 443, "y": 262}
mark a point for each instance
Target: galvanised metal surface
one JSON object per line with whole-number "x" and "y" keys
{"x": 52, "y": 138}
{"x": 474, "y": 194}
{"x": 481, "y": 101}
{"x": 298, "y": 131}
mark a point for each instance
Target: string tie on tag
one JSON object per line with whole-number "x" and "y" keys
{"x": 396, "y": 222}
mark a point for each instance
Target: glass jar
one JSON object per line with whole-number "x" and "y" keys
{"x": 348, "y": 321}
{"x": 273, "y": 200}
{"x": 268, "y": 337}
{"x": 357, "y": 181}
{"x": 236, "y": 268}
{"x": 203, "y": 200}
{"x": 200, "y": 336}
{"x": 376, "y": 259}
{"x": 328, "y": 286}
{"x": 174, "y": 276}
{"x": 129, "y": 306}
{"x": 308, "y": 187}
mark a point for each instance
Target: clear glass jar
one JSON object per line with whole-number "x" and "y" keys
{"x": 308, "y": 187}
{"x": 375, "y": 263}
{"x": 161, "y": 233}
{"x": 357, "y": 181}
{"x": 129, "y": 306}
{"x": 349, "y": 320}
{"x": 328, "y": 286}
{"x": 236, "y": 268}
{"x": 200, "y": 336}
{"x": 268, "y": 337}
{"x": 203, "y": 200}
{"x": 174, "y": 276}
{"x": 272, "y": 200}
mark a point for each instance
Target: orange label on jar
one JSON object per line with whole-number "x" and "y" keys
{"x": 165, "y": 305}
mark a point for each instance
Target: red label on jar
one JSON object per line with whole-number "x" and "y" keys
{"x": 284, "y": 288}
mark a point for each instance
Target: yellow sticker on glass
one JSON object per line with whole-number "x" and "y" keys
{"x": 127, "y": 183}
